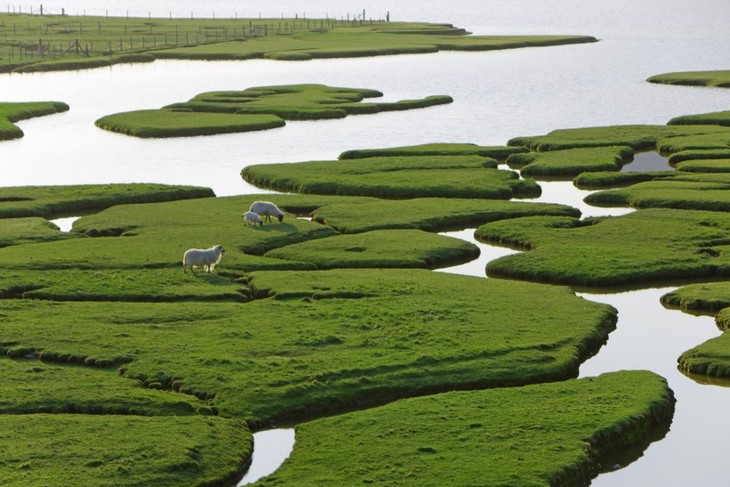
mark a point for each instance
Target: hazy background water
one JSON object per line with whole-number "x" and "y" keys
{"x": 498, "y": 95}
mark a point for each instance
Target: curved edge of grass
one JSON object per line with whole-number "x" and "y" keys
{"x": 612, "y": 179}
{"x": 88, "y": 63}
{"x": 500, "y": 153}
{"x": 718, "y": 79}
{"x": 12, "y": 112}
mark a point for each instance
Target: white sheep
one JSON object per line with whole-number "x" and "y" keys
{"x": 207, "y": 258}
{"x": 267, "y": 209}
{"x": 251, "y": 218}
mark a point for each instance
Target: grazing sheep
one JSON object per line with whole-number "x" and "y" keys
{"x": 267, "y": 209}
{"x": 207, "y": 258}
{"x": 251, "y": 218}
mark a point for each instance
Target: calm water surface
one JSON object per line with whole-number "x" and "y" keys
{"x": 498, "y": 95}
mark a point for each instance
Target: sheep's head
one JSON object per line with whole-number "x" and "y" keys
{"x": 220, "y": 249}
{"x": 281, "y": 218}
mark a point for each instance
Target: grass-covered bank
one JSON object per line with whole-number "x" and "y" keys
{"x": 15, "y": 112}
{"x": 55, "y": 42}
{"x": 258, "y": 108}
{"x": 720, "y": 79}
{"x": 550, "y": 434}
{"x": 110, "y": 450}
{"x": 641, "y": 247}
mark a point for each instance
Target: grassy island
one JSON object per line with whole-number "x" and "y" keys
{"x": 259, "y": 108}
{"x": 14, "y": 112}
{"x": 720, "y": 79}
{"x": 56, "y": 42}
{"x": 550, "y": 434}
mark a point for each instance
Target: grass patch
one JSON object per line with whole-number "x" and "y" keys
{"x": 638, "y": 137}
{"x": 711, "y": 358}
{"x": 720, "y": 79}
{"x": 613, "y": 179}
{"x": 382, "y": 249}
{"x": 327, "y": 341}
{"x": 677, "y": 157}
{"x": 259, "y": 108}
{"x": 642, "y": 247}
{"x": 395, "y": 177}
{"x": 16, "y": 111}
{"x": 68, "y": 449}
{"x": 60, "y": 201}
{"x": 689, "y": 191}
{"x": 53, "y": 42}
{"x": 549, "y": 434}
{"x": 571, "y": 162}
{"x": 705, "y": 165}
{"x": 31, "y": 386}
{"x": 707, "y": 297}
{"x": 14, "y": 231}
{"x": 354, "y": 215}
{"x": 443, "y": 149}
{"x": 712, "y": 118}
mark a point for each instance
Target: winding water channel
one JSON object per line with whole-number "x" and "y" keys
{"x": 498, "y": 95}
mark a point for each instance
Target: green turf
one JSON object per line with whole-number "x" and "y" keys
{"x": 613, "y": 179}
{"x": 381, "y": 249}
{"x": 571, "y": 162}
{"x": 711, "y": 358}
{"x": 719, "y": 79}
{"x": 496, "y": 152}
{"x": 677, "y": 157}
{"x": 16, "y": 111}
{"x": 54, "y": 42}
{"x": 107, "y": 450}
{"x": 324, "y": 340}
{"x": 550, "y": 434}
{"x": 707, "y": 297}
{"x": 353, "y": 215}
{"x": 395, "y": 177}
{"x": 713, "y": 118}
{"x": 705, "y": 165}
{"x": 638, "y": 137}
{"x": 259, "y": 108}
{"x": 639, "y": 248}
{"x": 59, "y": 201}
{"x": 688, "y": 191}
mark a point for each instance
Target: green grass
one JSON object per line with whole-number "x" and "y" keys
{"x": 571, "y": 162}
{"x": 53, "y": 42}
{"x": 705, "y": 165}
{"x": 14, "y": 112}
{"x": 613, "y": 179}
{"x": 354, "y": 215}
{"x": 496, "y": 152}
{"x": 15, "y": 231}
{"x": 381, "y": 249}
{"x": 712, "y": 118}
{"x": 720, "y": 79}
{"x": 59, "y": 201}
{"x": 395, "y": 177}
{"x": 259, "y": 108}
{"x": 711, "y": 358}
{"x": 108, "y": 450}
{"x": 688, "y": 191}
{"x": 707, "y": 297}
{"x": 638, "y": 137}
{"x": 324, "y": 341}
{"x": 550, "y": 434}
{"x": 688, "y": 155}
{"x": 639, "y": 248}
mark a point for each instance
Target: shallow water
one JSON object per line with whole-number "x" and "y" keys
{"x": 271, "y": 448}
{"x": 647, "y": 162}
{"x": 497, "y": 95}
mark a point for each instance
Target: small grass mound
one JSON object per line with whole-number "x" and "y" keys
{"x": 107, "y": 450}
{"x": 705, "y": 165}
{"x": 259, "y": 108}
{"x": 638, "y": 137}
{"x": 16, "y": 111}
{"x": 354, "y": 215}
{"x": 688, "y": 191}
{"x": 720, "y": 79}
{"x": 59, "y": 201}
{"x": 549, "y": 434}
{"x": 444, "y": 149}
{"x": 571, "y": 162}
{"x": 395, "y": 177}
{"x": 712, "y": 118}
{"x": 613, "y": 179}
{"x": 707, "y": 297}
{"x": 641, "y": 247}
{"x": 382, "y": 249}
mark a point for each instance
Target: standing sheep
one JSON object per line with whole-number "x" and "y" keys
{"x": 251, "y": 218}
{"x": 207, "y": 258}
{"x": 266, "y": 209}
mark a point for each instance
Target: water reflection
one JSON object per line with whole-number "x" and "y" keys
{"x": 65, "y": 224}
{"x": 647, "y": 162}
{"x": 271, "y": 448}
